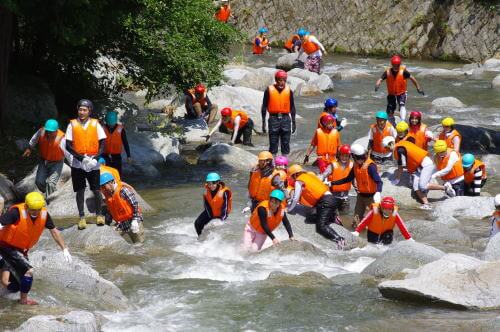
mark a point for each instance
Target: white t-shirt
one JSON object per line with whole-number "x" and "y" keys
{"x": 388, "y": 154}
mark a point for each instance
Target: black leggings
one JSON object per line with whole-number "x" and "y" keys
{"x": 384, "y": 238}
{"x": 200, "y": 222}
{"x": 325, "y": 215}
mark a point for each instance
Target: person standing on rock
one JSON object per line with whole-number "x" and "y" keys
{"x": 51, "y": 144}
{"x": 331, "y": 108}
{"x": 237, "y": 124}
{"x": 381, "y": 221}
{"x": 450, "y": 135}
{"x": 198, "y": 105}
{"x": 474, "y": 175}
{"x": 116, "y": 139}
{"x": 20, "y": 229}
{"x": 85, "y": 141}
{"x": 495, "y": 218}
{"x": 419, "y": 131}
{"x": 224, "y": 12}
{"x": 123, "y": 207}
{"x": 261, "y": 43}
{"x": 326, "y": 140}
{"x": 382, "y": 128}
{"x": 263, "y": 179}
{"x": 314, "y": 50}
{"x": 278, "y": 101}
{"x": 396, "y": 79}
{"x": 449, "y": 169}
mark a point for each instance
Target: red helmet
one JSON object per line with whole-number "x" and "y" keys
{"x": 388, "y": 202}
{"x": 416, "y": 114}
{"x": 226, "y": 111}
{"x": 200, "y": 88}
{"x": 281, "y": 74}
{"x": 327, "y": 118}
{"x": 345, "y": 149}
{"x": 396, "y": 60}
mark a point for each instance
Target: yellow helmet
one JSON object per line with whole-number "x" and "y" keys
{"x": 265, "y": 155}
{"x": 440, "y": 146}
{"x": 447, "y": 122}
{"x": 294, "y": 169}
{"x": 402, "y": 127}
{"x": 34, "y": 200}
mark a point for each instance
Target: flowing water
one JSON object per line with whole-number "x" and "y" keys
{"x": 180, "y": 283}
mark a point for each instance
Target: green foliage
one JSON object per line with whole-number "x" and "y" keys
{"x": 339, "y": 49}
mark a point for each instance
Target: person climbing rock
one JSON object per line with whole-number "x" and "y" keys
{"x": 449, "y": 169}
{"x": 368, "y": 181}
{"x": 381, "y": 221}
{"x": 20, "y": 229}
{"x": 396, "y": 79}
{"x": 278, "y": 101}
{"x": 268, "y": 215}
{"x": 474, "y": 175}
{"x": 116, "y": 141}
{"x": 224, "y": 12}
{"x": 314, "y": 50}
{"x": 261, "y": 43}
{"x": 326, "y": 140}
{"x": 108, "y": 169}
{"x": 382, "y": 128}
{"x": 85, "y": 140}
{"x": 263, "y": 179}
{"x": 122, "y": 207}
{"x": 495, "y": 218}
{"x": 235, "y": 123}
{"x": 293, "y": 44}
{"x": 331, "y": 108}
{"x": 418, "y": 131}
{"x": 51, "y": 144}
{"x": 450, "y": 135}
{"x": 198, "y": 105}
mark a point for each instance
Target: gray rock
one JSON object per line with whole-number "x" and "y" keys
{"x": 479, "y": 139}
{"x": 7, "y": 191}
{"x": 73, "y": 321}
{"x": 295, "y": 83}
{"x": 323, "y": 82}
{"x": 440, "y": 73}
{"x": 27, "y": 184}
{"x": 446, "y": 103}
{"x": 226, "y": 155}
{"x": 258, "y": 79}
{"x": 464, "y": 207}
{"x": 404, "y": 255}
{"x": 304, "y": 74}
{"x": 235, "y": 74}
{"x": 302, "y": 248}
{"x": 350, "y": 74}
{"x": 492, "y": 64}
{"x": 309, "y": 90}
{"x": 492, "y": 162}
{"x": 289, "y": 61}
{"x": 96, "y": 239}
{"x": 492, "y": 251}
{"x": 495, "y": 84}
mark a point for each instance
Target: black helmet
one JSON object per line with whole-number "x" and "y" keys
{"x": 86, "y": 103}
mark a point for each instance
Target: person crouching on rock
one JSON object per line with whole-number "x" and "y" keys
{"x": 123, "y": 207}
{"x": 217, "y": 200}
{"x": 20, "y": 229}
{"x": 381, "y": 221}
{"x": 198, "y": 105}
{"x": 449, "y": 169}
{"x": 265, "y": 218}
{"x": 326, "y": 140}
{"x": 235, "y": 123}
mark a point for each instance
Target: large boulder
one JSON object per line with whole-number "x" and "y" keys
{"x": 404, "y": 255}
{"x": 350, "y": 74}
{"x": 445, "y": 104}
{"x": 290, "y": 61}
{"x": 229, "y": 156}
{"x": 435, "y": 234}
{"x": 301, "y": 248}
{"x": 96, "y": 239}
{"x": 492, "y": 64}
{"x": 314, "y": 83}
{"x": 7, "y": 191}
{"x": 295, "y": 83}
{"x": 441, "y": 73}
{"x": 74, "y": 321}
{"x": 235, "y": 74}
{"x": 492, "y": 251}
{"x": 304, "y": 74}
{"x": 258, "y": 79}
{"x": 454, "y": 280}
{"x": 323, "y": 82}
{"x": 27, "y": 184}
{"x": 465, "y": 207}
{"x": 495, "y": 84}
{"x": 479, "y": 139}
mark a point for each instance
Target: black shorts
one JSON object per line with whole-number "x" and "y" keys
{"x": 78, "y": 177}
{"x": 14, "y": 261}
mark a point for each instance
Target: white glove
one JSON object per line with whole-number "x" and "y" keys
{"x": 1, "y": 226}
{"x": 356, "y": 234}
{"x": 93, "y": 163}
{"x": 67, "y": 255}
{"x": 245, "y": 210}
{"x": 85, "y": 164}
{"x": 410, "y": 240}
{"x": 395, "y": 181}
{"x": 134, "y": 226}
{"x": 343, "y": 122}
{"x": 376, "y": 197}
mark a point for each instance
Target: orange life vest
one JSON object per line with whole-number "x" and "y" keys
{"x": 290, "y": 42}
{"x": 24, "y": 234}
{"x": 321, "y": 115}
{"x": 313, "y": 188}
{"x": 396, "y": 85}
{"x": 202, "y": 101}
{"x": 419, "y": 135}
{"x": 279, "y": 102}
{"x": 50, "y": 149}
{"x": 379, "y": 224}
{"x": 414, "y": 155}
{"x": 457, "y": 169}
{"x": 109, "y": 169}
{"x": 449, "y": 139}
{"x": 469, "y": 176}
{"x": 217, "y": 200}
{"x": 119, "y": 208}
{"x": 259, "y": 49}
{"x": 243, "y": 119}
{"x": 223, "y": 14}
{"x": 364, "y": 181}
{"x": 85, "y": 141}
{"x": 340, "y": 172}
{"x": 273, "y": 220}
{"x": 260, "y": 187}
{"x": 114, "y": 141}
{"x": 308, "y": 46}
{"x": 378, "y": 136}
{"x": 328, "y": 143}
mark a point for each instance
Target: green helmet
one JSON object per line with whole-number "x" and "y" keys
{"x": 213, "y": 177}
{"x": 278, "y": 194}
{"x": 111, "y": 118}
{"x": 381, "y": 115}
{"x": 51, "y": 125}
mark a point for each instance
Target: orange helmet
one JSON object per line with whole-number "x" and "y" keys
{"x": 294, "y": 169}
{"x": 265, "y": 155}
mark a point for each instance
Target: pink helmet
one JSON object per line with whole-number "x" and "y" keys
{"x": 281, "y": 161}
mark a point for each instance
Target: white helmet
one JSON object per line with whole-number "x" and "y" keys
{"x": 358, "y": 150}
{"x": 497, "y": 200}
{"x": 387, "y": 140}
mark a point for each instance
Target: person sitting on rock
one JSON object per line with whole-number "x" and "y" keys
{"x": 217, "y": 200}
{"x": 331, "y": 108}
{"x": 198, "y": 105}
{"x": 224, "y": 12}
{"x": 261, "y": 43}
{"x": 122, "y": 207}
{"x": 419, "y": 131}
{"x": 20, "y": 229}
{"x": 382, "y": 128}
{"x": 293, "y": 44}
{"x": 474, "y": 175}
{"x": 450, "y": 135}
{"x": 380, "y": 222}
{"x": 263, "y": 179}
{"x": 314, "y": 50}
{"x": 495, "y": 218}
{"x": 108, "y": 169}
{"x": 326, "y": 140}
{"x": 449, "y": 169}
{"x": 237, "y": 124}
{"x": 51, "y": 143}
{"x": 116, "y": 141}
{"x": 267, "y": 216}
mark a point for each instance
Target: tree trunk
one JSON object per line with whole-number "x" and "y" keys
{"x": 6, "y": 24}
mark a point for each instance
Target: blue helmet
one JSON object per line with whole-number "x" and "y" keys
{"x": 468, "y": 160}
{"x": 111, "y": 118}
{"x": 331, "y": 102}
{"x": 278, "y": 194}
{"x": 213, "y": 177}
{"x": 381, "y": 115}
{"x": 302, "y": 32}
{"x": 105, "y": 178}
{"x": 101, "y": 161}
{"x": 85, "y": 102}
{"x": 263, "y": 30}
{"x": 51, "y": 125}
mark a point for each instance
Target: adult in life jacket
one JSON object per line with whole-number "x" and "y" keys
{"x": 314, "y": 50}
{"x": 449, "y": 170}
{"x": 396, "y": 77}
{"x": 85, "y": 142}
{"x": 418, "y": 164}
{"x": 381, "y": 221}
{"x": 382, "y": 128}
{"x": 495, "y": 218}
{"x": 235, "y": 123}
{"x": 419, "y": 131}
{"x": 278, "y": 101}
{"x": 224, "y": 12}
{"x": 20, "y": 229}
{"x": 116, "y": 141}
{"x": 450, "y": 135}
{"x": 51, "y": 144}
{"x": 330, "y": 108}
{"x": 310, "y": 190}
{"x": 261, "y": 43}
{"x": 198, "y": 105}
{"x": 474, "y": 175}
{"x": 368, "y": 181}
{"x": 293, "y": 44}
{"x": 108, "y": 169}
{"x": 122, "y": 208}
{"x": 326, "y": 140}
{"x": 268, "y": 215}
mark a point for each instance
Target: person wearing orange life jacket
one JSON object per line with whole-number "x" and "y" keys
{"x": 314, "y": 50}
{"x": 474, "y": 175}
{"x": 293, "y": 44}
{"x": 419, "y": 131}
{"x": 224, "y": 12}
{"x": 381, "y": 221}
{"x": 108, "y": 169}
{"x": 20, "y": 229}
{"x": 198, "y": 105}
{"x": 331, "y": 108}
{"x": 237, "y": 124}
{"x": 449, "y": 169}
{"x": 116, "y": 140}
{"x": 396, "y": 78}
{"x": 85, "y": 141}
{"x": 268, "y": 215}
{"x": 261, "y": 43}
{"x": 51, "y": 143}
{"x": 326, "y": 140}
{"x": 278, "y": 101}
{"x": 495, "y": 218}
{"x": 122, "y": 207}
{"x": 382, "y": 128}
{"x": 450, "y": 135}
